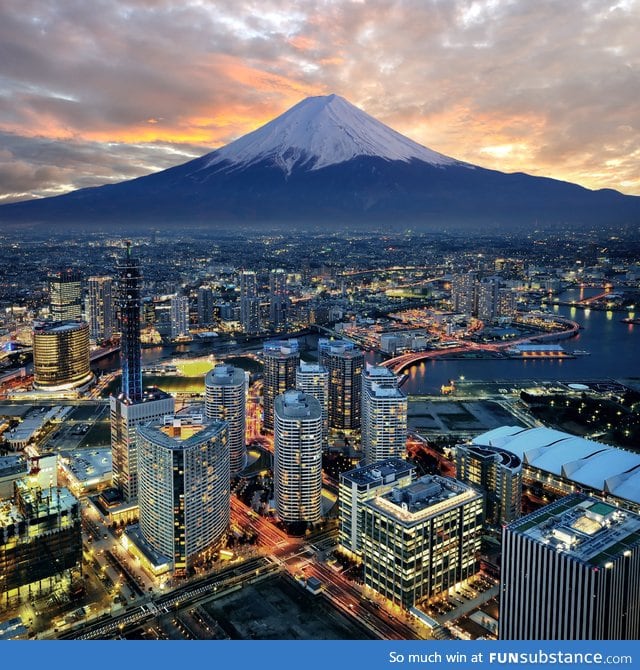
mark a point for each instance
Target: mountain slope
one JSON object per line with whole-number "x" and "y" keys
{"x": 325, "y": 160}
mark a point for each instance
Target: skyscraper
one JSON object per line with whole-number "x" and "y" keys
{"x": 570, "y": 571}
{"x": 132, "y": 406}
{"x": 179, "y": 316}
{"x": 184, "y": 486}
{"x": 128, "y": 300}
{"x": 297, "y": 469}
{"x": 205, "y": 306}
{"x": 277, "y": 299}
{"x": 101, "y": 308}
{"x": 281, "y": 358}
{"x": 384, "y": 415}
{"x": 313, "y": 379}
{"x": 384, "y": 428}
{"x": 65, "y": 295}
{"x": 225, "y": 400}
{"x": 498, "y": 473}
{"x": 419, "y": 540}
{"x": 61, "y": 355}
{"x": 345, "y": 363}
{"x": 249, "y": 303}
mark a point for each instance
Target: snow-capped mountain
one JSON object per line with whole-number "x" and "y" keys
{"x": 322, "y": 131}
{"x": 325, "y": 161}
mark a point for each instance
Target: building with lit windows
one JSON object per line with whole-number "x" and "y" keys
{"x": 61, "y": 356}
{"x": 463, "y": 293}
{"x": 277, "y": 299}
{"x": 281, "y": 358}
{"x": 570, "y": 571}
{"x": 507, "y": 302}
{"x": 249, "y": 303}
{"x": 498, "y": 473}
{"x": 487, "y": 300}
{"x": 297, "y": 469}
{"x": 65, "y": 295}
{"x": 313, "y": 379}
{"x": 225, "y": 400}
{"x": 561, "y": 463}
{"x": 420, "y": 540}
{"x": 129, "y": 305}
{"x": 125, "y": 416}
{"x": 344, "y": 362}
{"x": 179, "y": 316}
{"x": 40, "y": 538}
{"x": 132, "y": 406}
{"x": 206, "y": 306}
{"x": 100, "y": 308}
{"x": 184, "y": 489}
{"x": 362, "y": 484}
{"x": 12, "y": 468}
{"x": 384, "y": 415}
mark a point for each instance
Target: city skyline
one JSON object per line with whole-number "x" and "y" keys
{"x": 545, "y": 89}
{"x": 219, "y": 472}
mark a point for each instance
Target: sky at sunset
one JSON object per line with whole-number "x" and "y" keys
{"x": 97, "y": 91}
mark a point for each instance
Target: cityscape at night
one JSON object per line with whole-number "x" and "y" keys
{"x": 255, "y": 435}
{"x": 321, "y": 327}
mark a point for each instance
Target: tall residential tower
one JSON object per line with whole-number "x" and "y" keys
{"x": 100, "y": 304}
{"x": 281, "y": 358}
{"x": 297, "y": 470}
{"x": 225, "y": 400}
{"x": 344, "y": 363}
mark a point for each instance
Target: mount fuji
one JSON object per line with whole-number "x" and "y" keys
{"x": 325, "y": 161}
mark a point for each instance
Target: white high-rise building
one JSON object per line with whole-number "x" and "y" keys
{"x": 384, "y": 427}
{"x": 100, "y": 308}
{"x": 298, "y": 457}
{"x": 179, "y": 315}
{"x": 384, "y": 378}
{"x": 184, "y": 486}
{"x": 225, "y": 400}
{"x": 313, "y": 379}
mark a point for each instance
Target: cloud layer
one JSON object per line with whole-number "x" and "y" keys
{"x": 97, "y": 92}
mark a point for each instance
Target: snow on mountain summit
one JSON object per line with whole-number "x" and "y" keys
{"x": 322, "y": 131}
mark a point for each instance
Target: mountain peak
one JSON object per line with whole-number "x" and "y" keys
{"x": 320, "y": 131}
